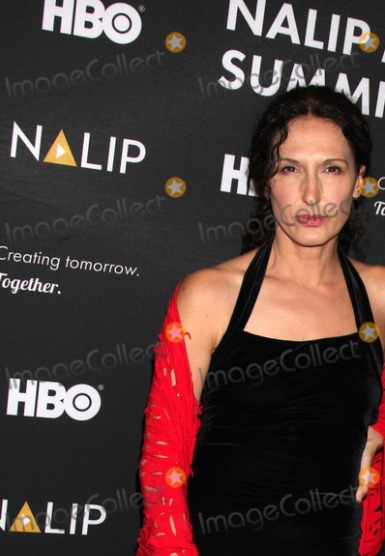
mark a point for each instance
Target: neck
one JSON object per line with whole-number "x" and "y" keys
{"x": 306, "y": 266}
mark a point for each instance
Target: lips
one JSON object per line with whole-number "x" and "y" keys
{"x": 311, "y": 220}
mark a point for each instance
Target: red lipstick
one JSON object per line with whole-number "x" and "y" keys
{"x": 310, "y": 220}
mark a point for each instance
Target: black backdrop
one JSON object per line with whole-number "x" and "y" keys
{"x": 124, "y": 134}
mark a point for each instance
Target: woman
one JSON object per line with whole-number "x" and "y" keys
{"x": 287, "y": 385}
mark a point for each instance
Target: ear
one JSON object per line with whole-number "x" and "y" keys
{"x": 358, "y": 183}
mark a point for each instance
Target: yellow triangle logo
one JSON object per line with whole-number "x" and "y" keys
{"x": 25, "y": 522}
{"x": 60, "y": 152}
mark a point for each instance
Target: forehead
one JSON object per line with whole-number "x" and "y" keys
{"x": 309, "y": 133}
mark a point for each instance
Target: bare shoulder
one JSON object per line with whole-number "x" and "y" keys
{"x": 206, "y": 298}
{"x": 373, "y": 277}
{"x": 213, "y": 284}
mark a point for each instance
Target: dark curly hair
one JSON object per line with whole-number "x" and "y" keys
{"x": 271, "y": 132}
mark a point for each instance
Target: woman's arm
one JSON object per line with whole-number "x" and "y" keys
{"x": 374, "y": 280}
{"x": 373, "y": 519}
{"x": 172, "y": 421}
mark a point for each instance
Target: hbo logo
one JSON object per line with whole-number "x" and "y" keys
{"x": 120, "y": 22}
{"x": 50, "y": 399}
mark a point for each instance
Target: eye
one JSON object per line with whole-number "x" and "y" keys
{"x": 287, "y": 169}
{"x": 333, "y": 170}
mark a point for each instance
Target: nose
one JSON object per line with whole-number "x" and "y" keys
{"x": 311, "y": 193}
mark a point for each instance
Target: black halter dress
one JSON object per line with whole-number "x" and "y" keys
{"x": 284, "y": 424}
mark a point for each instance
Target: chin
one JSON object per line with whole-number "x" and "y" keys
{"x": 312, "y": 237}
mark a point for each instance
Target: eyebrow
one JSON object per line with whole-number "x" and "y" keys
{"x": 327, "y": 160}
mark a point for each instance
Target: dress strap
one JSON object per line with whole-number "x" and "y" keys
{"x": 248, "y": 293}
{"x": 362, "y": 310}
{"x": 250, "y": 287}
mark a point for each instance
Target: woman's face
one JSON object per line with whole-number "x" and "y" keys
{"x": 315, "y": 182}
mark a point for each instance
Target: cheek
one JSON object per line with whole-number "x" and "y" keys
{"x": 282, "y": 195}
{"x": 284, "y": 208}
{"x": 341, "y": 198}
{"x": 345, "y": 206}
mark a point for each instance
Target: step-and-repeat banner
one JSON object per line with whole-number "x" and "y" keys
{"x": 124, "y": 134}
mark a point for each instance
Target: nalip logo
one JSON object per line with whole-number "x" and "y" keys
{"x": 131, "y": 150}
{"x": 79, "y": 518}
{"x": 120, "y": 22}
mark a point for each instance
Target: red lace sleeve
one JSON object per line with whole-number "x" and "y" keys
{"x": 172, "y": 421}
{"x": 373, "y": 506}
{"x": 379, "y": 426}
